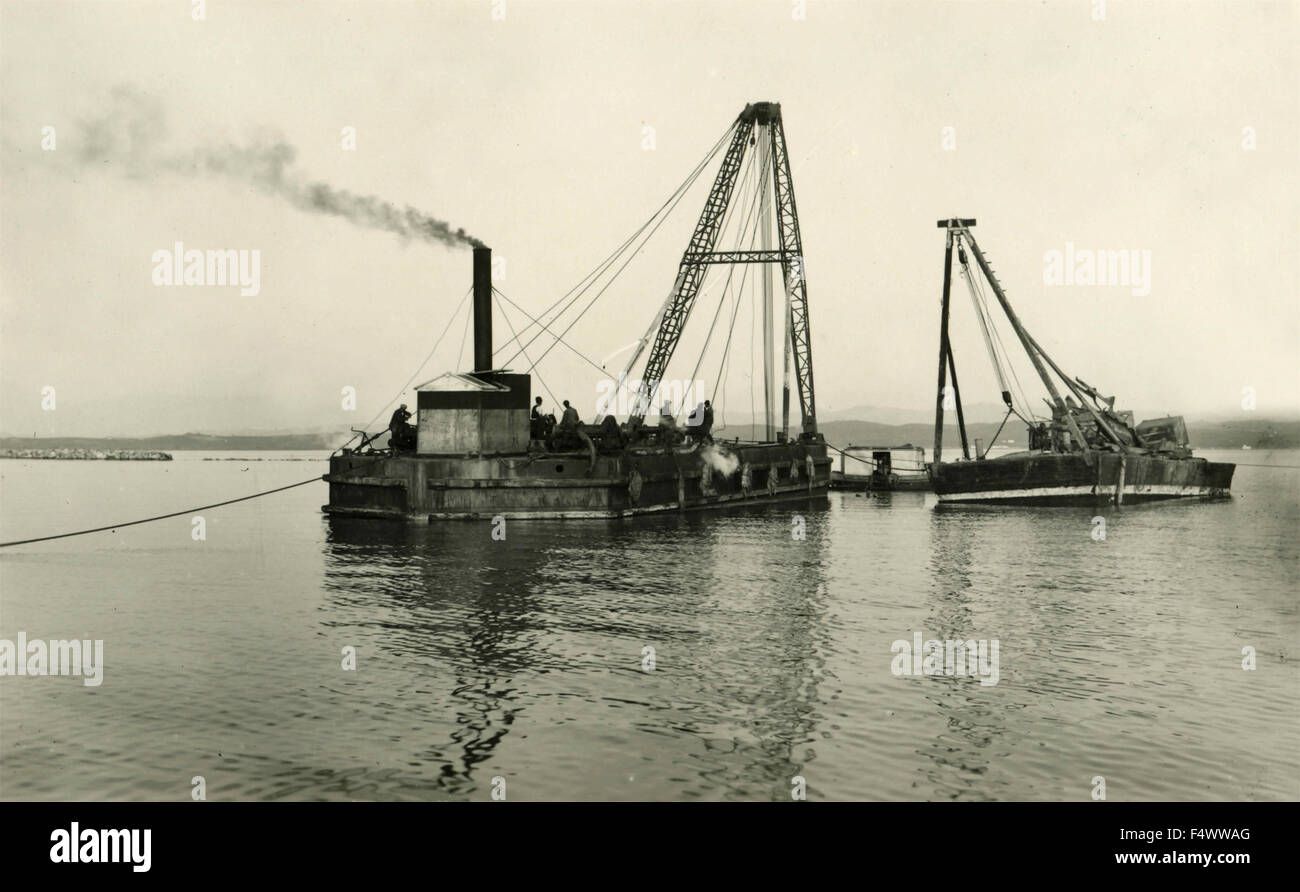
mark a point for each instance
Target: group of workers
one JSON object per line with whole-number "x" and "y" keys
{"x": 543, "y": 426}
{"x": 699, "y": 424}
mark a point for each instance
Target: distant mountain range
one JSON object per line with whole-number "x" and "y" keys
{"x": 1259, "y": 433}
{"x": 974, "y": 412}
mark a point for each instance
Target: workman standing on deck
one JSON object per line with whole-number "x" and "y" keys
{"x": 403, "y": 435}
{"x": 700, "y": 422}
{"x": 569, "y": 420}
{"x": 538, "y": 424}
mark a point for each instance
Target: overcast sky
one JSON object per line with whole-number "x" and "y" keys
{"x": 528, "y": 131}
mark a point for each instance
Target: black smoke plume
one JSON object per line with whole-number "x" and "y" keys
{"x": 131, "y": 131}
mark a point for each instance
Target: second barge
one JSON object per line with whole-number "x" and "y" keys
{"x": 1088, "y": 453}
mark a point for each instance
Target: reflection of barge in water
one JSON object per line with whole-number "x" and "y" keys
{"x": 475, "y": 455}
{"x": 1087, "y": 453}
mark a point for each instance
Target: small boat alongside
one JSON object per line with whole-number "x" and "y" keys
{"x": 1086, "y": 453}
{"x": 881, "y": 469}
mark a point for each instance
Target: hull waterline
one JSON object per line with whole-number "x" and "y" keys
{"x": 1081, "y": 478}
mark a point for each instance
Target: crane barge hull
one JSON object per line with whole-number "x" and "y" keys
{"x": 570, "y": 485}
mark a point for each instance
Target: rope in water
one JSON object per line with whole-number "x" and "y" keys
{"x": 256, "y": 495}
{"x": 132, "y": 523}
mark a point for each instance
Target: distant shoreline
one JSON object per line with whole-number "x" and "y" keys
{"x": 68, "y": 454}
{"x": 1260, "y": 433}
{"x": 177, "y": 443}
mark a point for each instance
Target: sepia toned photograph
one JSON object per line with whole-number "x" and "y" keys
{"x": 854, "y": 401}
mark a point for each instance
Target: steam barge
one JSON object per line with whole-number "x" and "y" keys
{"x": 476, "y": 453}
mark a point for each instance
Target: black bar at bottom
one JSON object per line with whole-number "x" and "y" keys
{"x": 500, "y": 839}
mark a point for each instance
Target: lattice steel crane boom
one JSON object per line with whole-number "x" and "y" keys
{"x": 764, "y": 117}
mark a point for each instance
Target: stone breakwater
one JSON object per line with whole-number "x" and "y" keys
{"x": 88, "y": 454}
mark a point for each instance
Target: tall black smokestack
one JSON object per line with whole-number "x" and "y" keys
{"x": 482, "y": 309}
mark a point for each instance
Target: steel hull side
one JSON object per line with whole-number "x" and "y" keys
{"x": 1048, "y": 479}
{"x": 571, "y": 486}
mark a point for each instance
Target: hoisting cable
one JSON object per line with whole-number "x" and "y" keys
{"x": 660, "y": 214}
{"x": 847, "y": 454}
{"x": 994, "y": 343}
{"x": 502, "y": 311}
{"x": 753, "y": 313}
{"x": 608, "y": 261}
{"x": 501, "y": 294}
{"x": 762, "y": 186}
{"x": 1006, "y": 358}
{"x": 613, "y": 278}
{"x": 750, "y": 216}
{"x": 724, "y": 366}
{"x": 984, "y": 325}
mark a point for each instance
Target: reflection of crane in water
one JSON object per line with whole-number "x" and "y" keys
{"x": 784, "y": 631}
{"x": 415, "y": 578}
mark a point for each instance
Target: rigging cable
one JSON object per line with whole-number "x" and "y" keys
{"x": 608, "y": 261}
{"x": 986, "y": 316}
{"x": 502, "y": 310}
{"x": 614, "y": 278}
{"x": 726, "y": 352}
{"x": 418, "y": 368}
{"x": 670, "y": 204}
{"x": 460, "y": 354}
{"x": 750, "y": 215}
{"x": 575, "y": 350}
{"x": 984, "y": 326}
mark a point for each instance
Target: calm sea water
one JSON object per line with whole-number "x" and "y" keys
{"x": 523, "y": 659}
